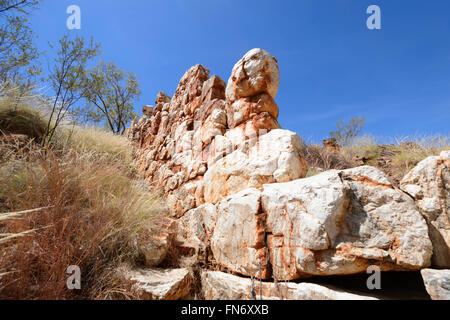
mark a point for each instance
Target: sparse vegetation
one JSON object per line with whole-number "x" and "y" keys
{"x": 22, "y": 120}
{"x": 72, "y": 203}
{"x": 317, "y": 157}
{"x": 18, "y": 53}
{"x": 345, "y": 133}
{"x": 111, "y": 93}
{"x": 396, "y": 157}
{"x": 66, "y": 78}
{"x": 70, "y": 194}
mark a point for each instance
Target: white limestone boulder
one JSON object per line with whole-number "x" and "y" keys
{"x": 159, "y": 284}
{"x": 341, "y": 222}
{"x": 429, "y": 184}
{"x": 272, "y": 157}
{"x": 256, "y": 72}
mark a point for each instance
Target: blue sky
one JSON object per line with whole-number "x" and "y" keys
{"x": 331, "y": 65}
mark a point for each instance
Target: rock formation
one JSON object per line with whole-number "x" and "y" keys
{"x": 234, "y": 180}
{"x": 429, "y": 184}
{"x": 212, "y": 140}
{"x": 334, "y": 223}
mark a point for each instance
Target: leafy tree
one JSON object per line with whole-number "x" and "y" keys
{"x": 17, "y": 49}
{"x": 66, "y": 77}
{"x": 345, "y": 133}
{"x": 22, "y": 6}
{"x": 111, "y": 93}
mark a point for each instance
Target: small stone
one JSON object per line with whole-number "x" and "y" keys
{"x": 437, "y": 283}
{"x": 159, "y": 284}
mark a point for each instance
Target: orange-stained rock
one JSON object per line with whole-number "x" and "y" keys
{"x": 147, "y": 111}
{"x": 238, "y": 240}
{"x": 341, "y": 222}
{"x": 331, "y": 145}
{"x": 234, "y": 180}
{"x": 251, "y": 108}
{"x": 182, "y": 136}
{"x": 272, "y": 157}
{"x": 154, "y": 246}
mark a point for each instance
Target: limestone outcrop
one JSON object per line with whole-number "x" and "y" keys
{"x": 235, "y": 183}
{"x": 341, "y": 222}
{"x": 334, "y": 223}
{"x": 429, "y": 184}
{"x": 211, "y": 140}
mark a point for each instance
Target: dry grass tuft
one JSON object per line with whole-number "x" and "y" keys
{"x": 95, "y": 140}
{"x": 318, "y": 158}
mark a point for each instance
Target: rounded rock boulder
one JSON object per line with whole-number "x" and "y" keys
{"x": 257, "y": 72}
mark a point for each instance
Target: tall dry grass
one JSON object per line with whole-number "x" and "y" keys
{"x": 77, "y": 205}
{"x": 319, "y": 159}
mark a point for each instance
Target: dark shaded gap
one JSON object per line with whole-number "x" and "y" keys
{"x": 394, "y": 285}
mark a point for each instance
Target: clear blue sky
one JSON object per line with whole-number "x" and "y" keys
{"x": 331, "y": 65}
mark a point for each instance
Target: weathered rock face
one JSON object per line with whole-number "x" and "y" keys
{"x": 251, "y": 91}
{"x": 429, "y": 184}
{"x": 238, "y": 241}
{"x": 208, "y": 127}
{"x": 193, "y": 238}
{"x": 334, "y": 223}
{"x": 223, "y": 286}
{"x": 340, "y": 222}
{"x": 437, "y": 283}
{"x": 147, "y": 111}
{"x": 274, "y": 157}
